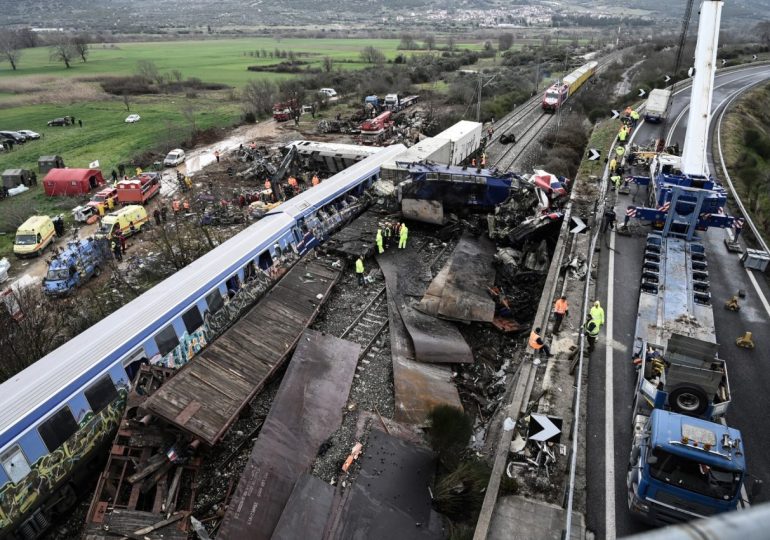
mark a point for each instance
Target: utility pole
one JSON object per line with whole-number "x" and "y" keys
{"x": 482, "y": 84}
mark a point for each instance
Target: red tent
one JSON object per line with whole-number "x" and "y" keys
{"x": 72, "y": 181}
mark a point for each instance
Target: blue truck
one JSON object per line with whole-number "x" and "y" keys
{"x": 74, "y": 265}
{"x": 685, "y": 462}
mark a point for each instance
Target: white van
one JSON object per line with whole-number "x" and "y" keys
{"x": 174, "y": 158}
{"x": 329, "y": 93}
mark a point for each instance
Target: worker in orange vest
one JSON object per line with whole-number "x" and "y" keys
{"x": 560, "y": 310}
{"x": 294, "y": 185}
{"x": 315, "y": 180}
{"x": 186, "y": 205}
{"x": 175, "y": 206}
{"x": 537, "y": 344}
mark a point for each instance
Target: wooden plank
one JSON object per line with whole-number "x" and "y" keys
{"x": 188, "y": 412}
{"x": 225, "y": 376}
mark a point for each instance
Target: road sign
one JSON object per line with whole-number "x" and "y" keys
{"x": 594, "y": 154}
{"x": 579, "y": 225}
{"x": 691, "y": 71}
{"x": 667, "y": 78}
{"x": 641, "y": 92}
{"x": 615, "y": 114}
{"x": 544, "y": 428}
{"x": 724, "y": 61}
{"x": 753, "y": 56}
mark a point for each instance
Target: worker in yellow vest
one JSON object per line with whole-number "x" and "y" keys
{"x": 380, "y": 249}
{"x": 403, "y": 234}
{"x": 360, "y": 270}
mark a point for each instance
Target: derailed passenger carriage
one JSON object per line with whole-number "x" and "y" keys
{"x": 57, "y": 414}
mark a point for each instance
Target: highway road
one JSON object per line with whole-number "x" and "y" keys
{"x": 611, "y": 375}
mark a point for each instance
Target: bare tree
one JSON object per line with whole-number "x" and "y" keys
{"x": 188, "y": 113}
{"x": 258, "y": 96}
{"x": 450, "y": 43}
{"x": 147, "y": 70}
{"x": 328, "y": 64}
{"x": 10, "y": 47}
{"x": 63, "y": 51}
{"x": 430, "y": 42}
{"x": 127, "y": 102}
{"x": 372, "y": 55}
{"x": 80, "y": 43}
{"x": 504, "y": 42}
{"x": 407, "y": 42}
{"x": 762, "y": 31}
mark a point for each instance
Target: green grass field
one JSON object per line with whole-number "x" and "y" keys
{"x": 104, "y": 135}
{"x": 222, "y": 61}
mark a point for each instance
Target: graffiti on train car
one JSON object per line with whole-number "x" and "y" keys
{"x": 18, "y": 498}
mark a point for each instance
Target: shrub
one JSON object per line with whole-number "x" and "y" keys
{"x": 449, "y": 433}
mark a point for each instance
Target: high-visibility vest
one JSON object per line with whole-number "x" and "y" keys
{"x": 379, "y": 236}
{"x": 403, "y": 232}
{"x": 620, "y": 151}
{"x": 592, "y": 329}
{"x": 622, "y": 135}
{"x": 597, "y": 314}
{"x": 560, "y": 306}
{"x": 533, "y": 337}
{"x": 359, "y": 266}
{"x": 634, "y": 115}
{"x": 616, "y": 179}
{"x": 613, "y": 164}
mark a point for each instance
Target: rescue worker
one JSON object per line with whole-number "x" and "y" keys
{"x": 139, "y": 171}
{"x": 613, "y": 165}
{"x": 315, "y": 180}
{"x": 560, "y": 310}
{"x": 619, "y": 152}
{"x": 473, "y": 162}
{"x": 115, "y": 244}
{"x": 537, "y": 344}
{"x": 216, "y": 155}
{"x": 110, "y": 203}
{"x": 156, "y": 215}
{"x": 622, "y": 135}
{"x": 294, "y": 184}
{"x": 186, "y": 205}
{"x": 483, "y": 159}
{"x": 114, "y": 176}
{"x": 163, "y": 213}
{"x": 403, "y": 234}
{"x": 360, "y": 270}
{"x": 591, "y": 332}
{"x": 597, "y": 313}
{"x": 634, "y": 118}
{"x": 121, "y": 240}
{"x": 616, "y": 180}
{"x": 188, "y": 182}
{"x": 388, "y": 233}
{"x": 176, "y": 206}
{"x": 609, "y": 219}
{"x": 380, "y": 249}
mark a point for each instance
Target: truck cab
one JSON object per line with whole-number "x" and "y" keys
{"x": 392, "y": 102}
{"x": 683, "y": 468}
{"x": 104, "y": 200}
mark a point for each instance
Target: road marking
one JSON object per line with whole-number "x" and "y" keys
{"x": 759, "y": 291}
{"x": 609, "y": 412}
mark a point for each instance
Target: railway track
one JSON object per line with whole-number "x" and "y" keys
{"x": 526, "y": 123}
{"x": 369, "y": 323}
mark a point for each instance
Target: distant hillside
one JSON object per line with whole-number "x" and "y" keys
{"x": 141, "y": 15}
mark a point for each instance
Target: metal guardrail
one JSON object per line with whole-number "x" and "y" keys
{"x": 736, "y": 197}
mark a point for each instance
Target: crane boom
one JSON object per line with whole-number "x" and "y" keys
{"x": 695, "y": 143}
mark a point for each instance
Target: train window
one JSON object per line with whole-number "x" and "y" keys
{"x": 265, "y": 260}
{"x": 214, "y": 301}
{"x": 249, "y": 271}
{"x": 101, "y": 393}
{"x": 15, "y": 463}
{"x": 57, "y": 429}
{"x": 192, "y": 319}
{"x": 166, "y": 340}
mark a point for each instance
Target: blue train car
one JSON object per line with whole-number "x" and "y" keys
{"x": 57, "y": 414}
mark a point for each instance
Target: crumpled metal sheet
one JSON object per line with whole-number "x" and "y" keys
{"x": 418, "y": 387}
{"x": 306, "y": 411}
{"x": 459, "y": 291}
{"x": 390, "y": 498}
{"x": 434, "y": 340}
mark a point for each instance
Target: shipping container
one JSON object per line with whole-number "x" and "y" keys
{"x": 465, "y": 137}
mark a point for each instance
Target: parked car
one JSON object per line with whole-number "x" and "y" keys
{"x": 133, "y": 118}
{"x": 29, "y": 134}
{"x": 174, "y": 158}
{"x": 63, "y": 121}
{"x": 328, "y": 92}
{"x": 15, "y": 136}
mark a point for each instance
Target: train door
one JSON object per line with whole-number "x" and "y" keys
{"x": 233, "y": 285}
